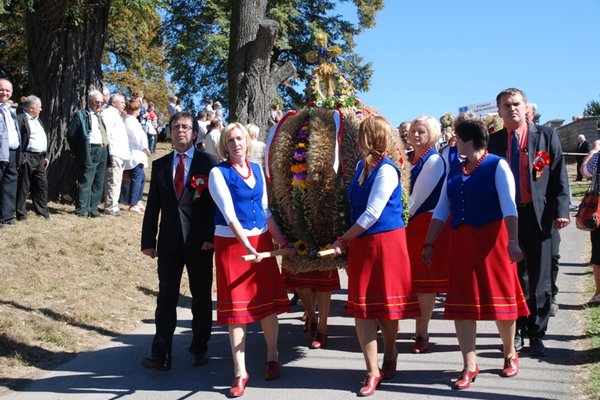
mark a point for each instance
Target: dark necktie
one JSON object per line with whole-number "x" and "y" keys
{"x": 180, "y": 175}
{"x": 514, "y": 164}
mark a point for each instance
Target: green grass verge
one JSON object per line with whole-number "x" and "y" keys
{"x": 592, "y": 354}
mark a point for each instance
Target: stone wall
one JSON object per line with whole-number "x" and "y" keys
{"x": 568, "y": 133}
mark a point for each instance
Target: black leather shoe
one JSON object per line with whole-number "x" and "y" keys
{"x": 518, "y": 342}
{"x": 199, "y": 359}
{"x": 536, "y": 347}
{"x": 155, "y": 363}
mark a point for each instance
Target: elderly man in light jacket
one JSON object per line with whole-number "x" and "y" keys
{"x": 119, "y": 152}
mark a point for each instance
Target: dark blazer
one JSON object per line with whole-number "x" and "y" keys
{"x": 550, "y": 190}
{"x": 582, "y": 148}
{"x": 188, "y": 219}
{"x": 23, "y": 122}
{"x": 78, "y": 136}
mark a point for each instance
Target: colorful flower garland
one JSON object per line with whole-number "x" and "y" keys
{"x": 305, "y": 244}
{"x": 299, "y": 166}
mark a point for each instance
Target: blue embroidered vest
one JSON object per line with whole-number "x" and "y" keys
{"x": 358, "y": 196}
{"x": 474, "y": 201}
{"x": 247, "y": 202}
{"x": 431, "y": 201}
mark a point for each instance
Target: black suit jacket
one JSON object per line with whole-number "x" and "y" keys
{"x": 187, "y": 219}
{"x": 23, "y": 122}
{"x": 583, "y": 148}
{"x": 550, "y": 190}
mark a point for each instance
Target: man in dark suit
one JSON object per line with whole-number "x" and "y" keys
{"x": 542, "y": 196}
{"x": 34, "y": 163}
{"x": 10, "y": 144}
{"x": 88, "y": 142}
{"x": 583, "y": 146}
{"x": 179, "y": 194}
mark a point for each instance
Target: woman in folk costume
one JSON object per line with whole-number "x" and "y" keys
{"x": 246, "y": 292}
{"x": 479, "y": 196}
{"x": 427, "y": 172}
{"x": 379, "y": 277}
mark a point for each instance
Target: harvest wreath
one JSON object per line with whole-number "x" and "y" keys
{"x": 310, "y": 159}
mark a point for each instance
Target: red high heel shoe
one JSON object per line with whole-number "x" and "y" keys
{"x": 421, "y": 345}
{"x": 238, "y": 386}
{"x": 511, "y": 366}
{"x": 371, "y": 383}
{"x": 319, "y": 341}
{"x": 465, "y": 379}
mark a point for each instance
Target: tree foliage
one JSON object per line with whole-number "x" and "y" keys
{"x": 12, "y": 46}
{"x": 197, "y": 37}
{"x": 197, "y": 34}
{"x": 592, "y": 108}
{"x": 134, "y": 53}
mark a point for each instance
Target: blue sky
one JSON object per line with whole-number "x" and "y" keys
{"x": 432, "y": 56}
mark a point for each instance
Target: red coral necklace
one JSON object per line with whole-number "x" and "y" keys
{"x": 239, "y": 173}
{"x": 378, "y": 160}
{"x": 422, "y": 155}
{"x": 466, "y": 172}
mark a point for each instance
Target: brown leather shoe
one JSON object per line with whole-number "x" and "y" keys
{"x": 465, "y": 379}
{"x": 511, "y": 366}
{"x": 273, "y": 370}
{"x": 238, "y": 387}
{"x": 370, "y": 384}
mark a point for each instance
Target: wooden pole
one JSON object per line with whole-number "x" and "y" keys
{"x": 325, "y": 253}
{"x": 267, "y": 254}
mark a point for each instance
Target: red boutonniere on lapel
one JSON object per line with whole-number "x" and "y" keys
{"x": 540, "y": 160}
{"x": 199, "y": 183}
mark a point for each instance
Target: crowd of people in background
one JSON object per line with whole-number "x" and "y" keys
{"x": 110, "y": 140}
{"x": 208, "y": 196}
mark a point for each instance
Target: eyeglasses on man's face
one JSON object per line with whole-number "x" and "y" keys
{"x": 185, "y": 128}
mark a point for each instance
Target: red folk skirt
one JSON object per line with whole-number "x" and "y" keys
{"x": 319, "y": 281}
{"x": 379, "y": 277}
{"x": 247, "y": 292}
{"x": 484, "y": 284}
{"x": 434, "y": 278}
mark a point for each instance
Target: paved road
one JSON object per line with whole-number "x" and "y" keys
{"x": 114, "y": 372}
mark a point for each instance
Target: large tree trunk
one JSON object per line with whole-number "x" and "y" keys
{"x": 64, "y": 63}
{"x": 253, "y": 80}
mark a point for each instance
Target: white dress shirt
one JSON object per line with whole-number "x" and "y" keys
{"x": 38, "y": 142}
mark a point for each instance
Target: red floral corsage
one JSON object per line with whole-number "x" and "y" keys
{"x": 199, "y": 182}
{"x": 540, "y": 160}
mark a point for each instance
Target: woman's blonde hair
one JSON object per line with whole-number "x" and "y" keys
{"x": 433, "y": 127}
{"x": 373, "y": 139}
{"x": 222, "y": 150}
{"x": 253, "y": 131}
